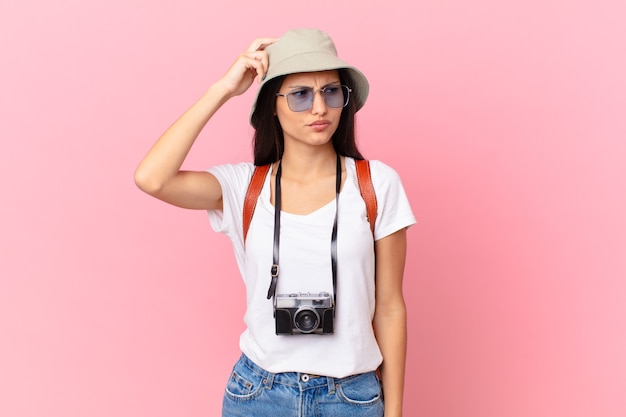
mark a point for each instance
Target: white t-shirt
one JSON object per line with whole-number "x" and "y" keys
{"x": 305, "y": 266}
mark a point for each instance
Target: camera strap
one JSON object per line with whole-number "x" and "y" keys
{"x": 259, "y": 174}
{"x": 333, "y": 238}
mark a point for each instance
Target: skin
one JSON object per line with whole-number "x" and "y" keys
{"x": 309, "y": 160}
{"x": 308, "y": 175}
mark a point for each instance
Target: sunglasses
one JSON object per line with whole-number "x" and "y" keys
{"x": 301, "y": 99}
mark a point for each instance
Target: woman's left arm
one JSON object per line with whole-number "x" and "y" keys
{"x": 390, "y": 318}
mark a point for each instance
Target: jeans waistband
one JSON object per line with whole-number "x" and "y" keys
{"x": 295, "y": 379}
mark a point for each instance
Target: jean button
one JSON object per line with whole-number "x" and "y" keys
{"x": 305, "y": 378}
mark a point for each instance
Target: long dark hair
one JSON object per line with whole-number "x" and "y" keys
{"x": 269, "y": 143}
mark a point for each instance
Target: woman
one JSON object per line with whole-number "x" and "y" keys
{"x": 334, "y": 313}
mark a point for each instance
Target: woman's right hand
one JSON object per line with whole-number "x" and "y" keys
{"x": 159, "y": 173}
{"x": 248, "y": 65}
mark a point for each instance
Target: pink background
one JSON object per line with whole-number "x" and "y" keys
{"x": 505, "y": 119}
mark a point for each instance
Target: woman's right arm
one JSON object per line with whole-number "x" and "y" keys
{"x": 159, "y": 173}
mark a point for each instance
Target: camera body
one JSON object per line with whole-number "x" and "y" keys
{"x": 304, "y": 313}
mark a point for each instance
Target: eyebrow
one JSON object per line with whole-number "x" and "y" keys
{"x": 338, "y": 82}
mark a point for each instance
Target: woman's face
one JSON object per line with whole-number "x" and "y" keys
{"x": 315, "y": 126}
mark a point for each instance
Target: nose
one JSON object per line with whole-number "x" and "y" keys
{"x": 319, "y": 104}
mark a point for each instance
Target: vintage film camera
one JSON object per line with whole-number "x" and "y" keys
{"x": 304, "y": 313}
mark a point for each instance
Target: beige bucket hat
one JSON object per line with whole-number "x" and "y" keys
{"x": 310, "y": 50}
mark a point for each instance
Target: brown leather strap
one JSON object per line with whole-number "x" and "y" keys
{"x": 252, "y": 196}
{"x": 366, "y": 187}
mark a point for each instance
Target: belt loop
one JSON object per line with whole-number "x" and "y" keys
{"x": 331, "y": 385}
{"x": 268, "y": 381}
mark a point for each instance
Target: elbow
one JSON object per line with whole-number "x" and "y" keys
{"x": 394, "y": 309}
{"x": 146, "y": 183}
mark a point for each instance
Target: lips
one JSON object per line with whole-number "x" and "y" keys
{"x": 319, "y": 125}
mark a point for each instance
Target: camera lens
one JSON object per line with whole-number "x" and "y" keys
{"x": 306, "y": 320}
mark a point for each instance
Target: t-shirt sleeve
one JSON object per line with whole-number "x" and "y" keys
{"x": 234, "y": 180}
{"x": 394, "y": 210}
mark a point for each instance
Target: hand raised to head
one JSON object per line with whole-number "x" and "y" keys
{"x": 253, "y": 62}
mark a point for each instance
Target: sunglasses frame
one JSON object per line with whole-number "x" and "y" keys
{"x": 346, "y": 90}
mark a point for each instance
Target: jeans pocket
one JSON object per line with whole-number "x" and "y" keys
{"x": 362, "y": 389}
{"x": 243, "y": 383}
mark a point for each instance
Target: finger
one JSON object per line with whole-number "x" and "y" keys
{"x": 260, "y": 44}
{"x": 257, "y": 63}
{"x": 265, "y": 63}
{"x": 261, "y": 58}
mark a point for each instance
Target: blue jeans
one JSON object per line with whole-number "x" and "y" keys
{"x": 253, "y": 392}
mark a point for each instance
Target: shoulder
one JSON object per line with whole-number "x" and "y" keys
{"x": 394, "y": 209}
{"x": 234, "y": 179}
{"x": 233, "y": 174}
{"x": 241, "y": 168}
{"x": 382, "y": 174}
{"x": 382, "y": 169}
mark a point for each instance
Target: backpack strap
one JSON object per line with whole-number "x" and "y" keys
{"x": 252, "y": 196}
{"x": 364, "y": 176}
